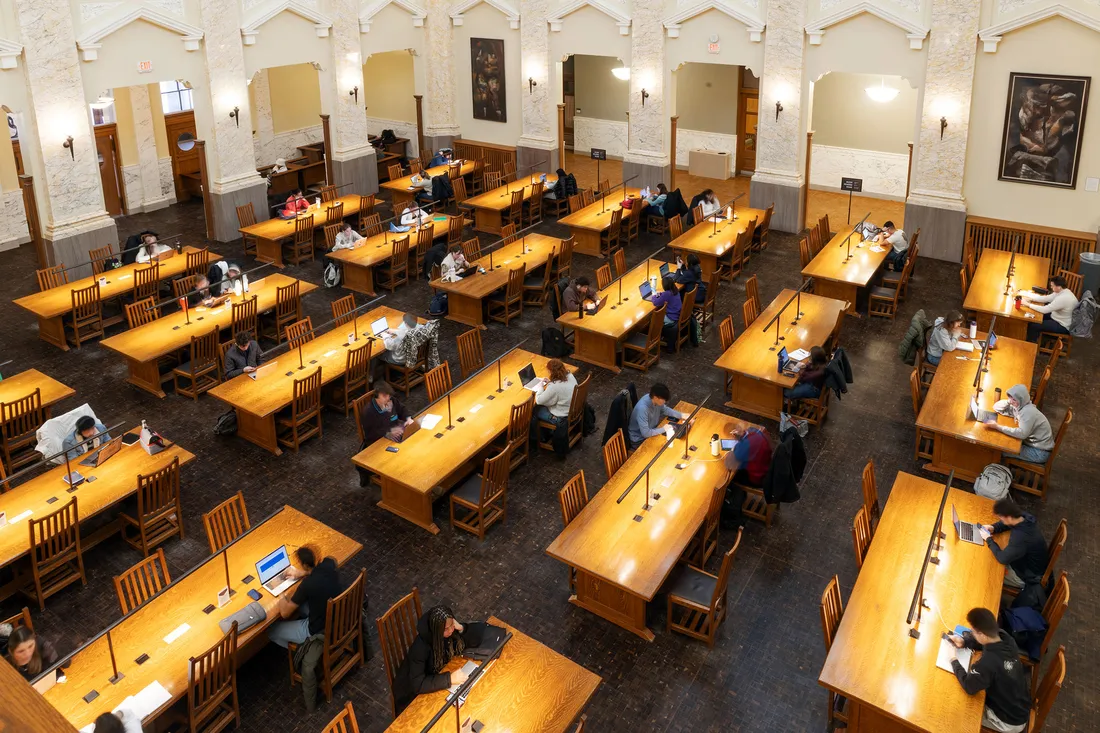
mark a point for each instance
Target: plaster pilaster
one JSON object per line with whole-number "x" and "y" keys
{"x": 440, "y": 118}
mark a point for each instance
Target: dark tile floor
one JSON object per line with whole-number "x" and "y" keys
{"x": 761, "y": 674}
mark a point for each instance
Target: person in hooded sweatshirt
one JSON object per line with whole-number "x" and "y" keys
{"x": 1032, "y": 426}
{"x": 1026, "y": 551}
{"x": 945, "y": 336}
{"x": 439, "y": 638}
{"x": 999, "y": 673}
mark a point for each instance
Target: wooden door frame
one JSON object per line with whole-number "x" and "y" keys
{"x": 120, "y": 185}
{"x": 742, "y": 95}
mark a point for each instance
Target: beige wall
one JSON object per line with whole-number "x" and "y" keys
{"x": 390, "y": 86}
{"x": 9, "y": 174}
{"x": 483, "y": 21}
{"x": 734, "y": 46}
{"x": 599, "y": 94}
{"x": 845, "y": 117}
{"x": 124, "y": 119}
{"x": 1029, "y": 50}
{"x": 295, "y": 97}
{"x": 706, "y": 97}
{"x": 285, "y": 40}
{"x": 117, "y": 65}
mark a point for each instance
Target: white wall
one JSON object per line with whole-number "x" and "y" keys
{"x": 845, "y": 117}
{"x": 287, "y": 39}
{"x": 734, "y": 45}
{"x": 599, "y": 94}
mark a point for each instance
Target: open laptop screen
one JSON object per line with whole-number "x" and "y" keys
{"x": 645, "y": 290}
{"x": 273, "y": 564}
{"x": 664, "y": 269}
{"x": 783, "y": 358}
{"x": 526, "y": 374}
{"x": 954, "y": 517}
{"x": 379, "y": 326}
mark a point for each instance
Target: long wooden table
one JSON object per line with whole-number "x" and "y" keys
{"x": 530, "y": 688}
{"x": 144, "y": 631}
{"x": 890, "y": 679}
{"x": 466, "y": 297}
{"x": 115, "y": 481}
{"x": 22, "y": 384}
{"x": 710, "y": 240}
{"x": 271, "y": 234}
{"x": 144, "y": 345}
{"x": 402, "y": 189}
{"x": 588, "y": 224}
{"x": 961, "y": 443}
{"x": 359, "y": 263}
{"x": 424, "y": 462}
{"x": 621, "y": 563}
{"x": 835, "y": 276}
{"x": 757, "y": 385}
{"x": 598, "y": 337}
{"x": 53, "y": 305}
{"x": 489, "y": 206}
{"x": 986, "y": 295}
{"x": 257, "y": 401}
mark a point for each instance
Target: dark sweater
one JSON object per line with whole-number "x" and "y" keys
{"x": 47, "y": 654}
{"x": 1002, "y": 676}
{"x": 813, "y": 375}
{"x": 236, "y": 360}
{"x": 1026, "y": 551}
{"x": 414, "y": 676}
{"x": 376, "y": 424}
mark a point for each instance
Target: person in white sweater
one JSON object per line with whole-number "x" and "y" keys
{"x": 556, "y": 395}
{"x": 1057, "y": 308}
{"x": 150, "y": 249}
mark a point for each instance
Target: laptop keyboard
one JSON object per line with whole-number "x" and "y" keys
{"x": 966, "y": 531}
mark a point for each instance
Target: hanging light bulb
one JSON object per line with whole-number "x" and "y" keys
{"x": 882, "y": 93}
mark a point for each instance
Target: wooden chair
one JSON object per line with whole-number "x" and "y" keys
{"x": 99, "y": 257}
{"x": 143, "y": 581}
{"x": 749, "y": 312}
{"x": 455, "y": 229}
{"x": 805, "y": 256}
{"x": 697, "y": 600}
{"x": 536, "y": 287}
{"x": 1054, "y": 551}
{"x": 356, "y": 377}
{"x": 508, "y": 304}
{"x": 925, "y": 438}
{"x": 964, "y": 285}
{"x": 870, "y": 494}
{"x": 760, "y": 236}
{"x": 609, "y": 238}
{"x": 52, "y": 277}
{"x": 331, "y": 230}
{"x": 752, "y": 291}
{"x": 1047, "y": 693}
{"x": 1049, "y": 343}
{"x": 395, "y": 171}
{"x": 19, "y": 423}
{"x": 406, "y": 376}
{"x": 742, "y": 251}
{"x": 509, "y": 171}
{"x": 727, "y": 336}
{"x": 493, "y": 180}
{"x": 344, "y": 645}
{"x": 396, "y": 634}
{"x": 657, "y": 223}
{"x": 573, "y": 498}
{"x": 883, "y": 302}
{"x": 813, "y": 410}
{"x": 1034, "y": 478}
{"x": 226, "y": 522}
{"x": 482, "y": 500}
{"x": 344, "y": 722}
{"x": 580, "y": 724}
{"x": 288, "y": 309}
{"x": 246, "y": 217}
{"x": 705, "y": 542}
{"x": 514, "y": 213}
{"x": 245, "y": 316}
{"x": 861, "y": 535}
{"x": 438, "y": 381}
{"x": 900, "y": 280}
{"x": 832, "y": 610}
{"x": 341, "y": 310}
{"x": 19, "y": 620}
{"x": 565, "y": 258}
{"x": 212, "y": 702}
{"x": 823, "y": 230}
{"x": 304, "y": 420}
{"x": 366, "y": 208}
{"x": 1073, "y": 281}
{"x": 86, "y": 321}
{"x": 588, "y": 197}
{"x": 697, "y": 214}
{"x": 815, "y": 240}
{"x": 705, "y": 312}
{"x": 471, "y": 249}
{"x": 197, "y": 262}
{"x": 970, "y": 261}
{"x": 618, "y": 258}
{"x": 301, "y": 246}
{"x": 181, "y": 286}
{"x": 642, "y": 348}
{"x": 683, "y": 325}
{"x": 603, "y": 276}
{"x": 632, "y": 224}
{"x": 370, "y": 225}
{"x": 1041, "y": 390}
{"x": 614, "y": 453}
{"x": 57, "y": 560}
{"x": 423, "y": 244}
{"x": 1055, "y": 608}
{"x": 415, "y": 166}
{"x": 575, "y": 424}
{"x": 159, "y": 512}
{"x": 533, "y": 208}
{"x": 675, "y": 227}
{"x": 471, "y": 357}
{"x": 576, "y": 203}
{"x": 518, "y": 435}
{"x": 508, "y": 233}
{"x": 328, "y": 194}
{"x": 391, "y": 274}
{"x": 604, "y": 187}
{"x": 142, "y": 312}
{"x": 200, "y": 372}
{"x": 146, "y": 282}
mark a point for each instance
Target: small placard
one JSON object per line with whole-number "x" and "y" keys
{"x": 223, "y": 597}
{"x": 247, "y": 579}
{"x": 91, "y": 696}
{"x": 599, "y": 154}
{"x": 51, "y": 500}
{"x": 141, "y": 660}
{"x": 851, "y": 184}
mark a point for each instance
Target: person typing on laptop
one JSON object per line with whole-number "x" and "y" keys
{"x": 811, "y": 379}
{"x": 86, "y": 427}
{"x": 384, "y": 417}
{"x": 999, "y": 673}
{"x": 304, "y": 610}
{"x": 243, "y": 356}
{"x": 578, "y": 291}
{"x": 556, "y": 395}
{"x": 670, "y": 298}
{"x": 439, "y": 638}
{"x": 648, "y": 413}
{"x": 1025, "y": 555}
{"x": 1032, "y": 426}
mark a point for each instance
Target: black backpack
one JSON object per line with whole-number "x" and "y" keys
{"x": 438, "y": 305}
{"x": 226, "y": 424}
{"x": 554, "y": 344}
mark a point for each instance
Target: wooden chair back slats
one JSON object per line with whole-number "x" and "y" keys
{"x": 726, "y": 333}
{"x": 396, "y": 634}
{"x": 438, "y": 381}
{"x": 519, "y": 432}
{"x": 212, "y": 702}
{"x": 415, "y": 166}
{"x": 300, "y": 333}
{"x": 331, "y": 230}
{"x": 19, "y": 620}
{"x": 752, "y": 291}
{"x": 57, "y": 559}
{"x": 19, "y": 423}
{"x": 675, "y": 227}
{"x": 87, "y": 313}
{"x": 52, "y": 277}
{"x": 395, "y": 171}
{"x": 494, "y": 476}
{"x": 141, "y": 582}
{"x": 870, "y": 491}
{"x": 573, "y": 498}
{"x": 344, "y": 722}
{"x": 246, "y": 217}
{"x": 142, "y": 312}
{"x": 614, "y": 453}
{"x": 804, "y": 253}
{"x": 471, "y": 357}
{"x": 307, "y": 395}
{"x": 832, "y": 610}
{"x": 471, "y": 249}
{"x": 565, "y": 257}
{"x": 619, "y": 258}
{"x": 181, "y": 286}
{"x": 288, "y": 304}
{"x": 226, "y": 522}
{"x": 861, "y": 535}
{"x": 514, "y": 213}
{"x": 706, "y": 540}
{"x": 1054, "y": 550}
{"x": 1048, "y": 691}
{"x": 455, "y": 227}
{"x": 370, "y": 225}
{"x": 749, "y": 313}
{"x": 1041, "y": 389}
{"x": 245, "y": 317}
{"x": 196, "y": 262}
{"x": 815, "y": 240}
{"x": 1054, "y": 609}
{"x": 358, "y": 406}
{"x": 512, "y": 304}
{"x": 328, "y": 193}
{"x": 200, "y": 373}
{"x": 356, "y": 373}
{"x": 603, "y": 276}
{"x": 99, "y": 258}
{"x": 366, "y": 210}
{"x": 508, "y": 233}
{"x": 159, "y": 512}
{"x": 397, "y": 271}
{"x": 344, "y": 649}
{"x": 147, "y": 281}
{"x": 576, "y": 203}
{"x": 588, "y": 196}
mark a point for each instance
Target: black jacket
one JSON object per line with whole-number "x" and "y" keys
{"x": 838, "y": 374}
{"x": 1026, "y": 551}
{"x": 414, "y": 676}
{"x": 442, "y": 188}
{"x": 674, "y": 205}
{"x": 788, "y": 463}
{"x": 1001, "y": 674}
{"x": 434, "y": 256}
{"x": 688, "y": 277}
{"x": 376, "y": 424}
{"x": 133, "y": 244}
{"x": 618, "y": 416}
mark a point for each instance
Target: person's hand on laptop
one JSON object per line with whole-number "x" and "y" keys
{"x": 396, "y": 431}
{"x": 249, "y": 369}
{"x": 984, "y": 533}
{"x": 293, "y": 572}
{"x": 458, "y": 677}
{"x": 991, "y": 424}
{"x": 409, "y": 421}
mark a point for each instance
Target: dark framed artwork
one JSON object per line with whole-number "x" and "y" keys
{"x": 487, "y": 79}
{"x": 1044, "y": 120}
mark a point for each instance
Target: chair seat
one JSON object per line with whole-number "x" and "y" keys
{"x": 184, "y": 369}
{"x": 891, "y": 277}
{"x": 638, "y": 338}
{"x": 533, "y": 282}
{"x": 880, "y": 292}
{"x": 692, "y": 585}
{"x": 469, "y": 491}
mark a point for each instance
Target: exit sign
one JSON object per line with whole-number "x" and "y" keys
{"x": 712, "y": 48}
{"x": 145, "y": 67}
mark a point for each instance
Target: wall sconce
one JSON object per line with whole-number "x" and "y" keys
{"x": 778, "y": 109}
{"x": 531, "y": 84}
{"x": 943, "y": 126}
{"x": 645, "y": 96}
{"x": 68, "y": 144}
{"x": 355, "y": 93}
{"x": 236, "y": 115}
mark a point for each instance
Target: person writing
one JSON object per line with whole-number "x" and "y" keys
{"x": 556, "y": 396}
{"x": 86, "y": 427}
{"x": 150, "y": 249}
{"x": 243, "y": 356}
{"x": 384, "y": 416}
{"x": 811, "y": 379}
{"x": 295, "y": 203}
{"x": 894, "y": 237}
{"x": 303, "y": 610}
{"x": 1032, "y": 426}
{"x": 577, "y": 292}
{"x": 657, "y": 200}
{"x": 29, "y": 653}
{"x": 648, "y": 413}
{"x": 945, "y": 336}
{"x": 439, "y": 639}
{"x": 1025, "y": 555}
{"x": 347, "y": 238}
{"x": 999, "y": 673}
{"x": 1057, "y": 309}
{"x": 750, "y": 458}
{"x": 669, "y": 297}
{"x": 413, "y": 215}
{"x": 223, "y": 276}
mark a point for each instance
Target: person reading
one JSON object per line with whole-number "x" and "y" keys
{"x": 1025, "y": 555}
{"x": 946, "y": 335}
{"x": 811, "y": 379}
{"x": 556, "y": 395}
{"x": 899, "y": 245}
{"x": 86, "y": 427}
{"x": 1032, "y": 426}
{"x": 243, "y": 356}
{"x": 578, "y": 291}
{"x": 1056, "y": 307}
{"x": 999, "y": 673}
{"x": 347, "y": 238}
{"x": 648, "y": 413}
{"x": 303, "y": 609}
{"x": 413, "y": 215}
{"x": 440, "y": 637}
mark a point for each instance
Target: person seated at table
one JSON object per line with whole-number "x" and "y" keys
{"x": 439, "y": 639}
{"x": 709, "y": 201}
{"x": 133, "y": 244}
{"x": 811, "y": 379}
{"x": 657, "y": 200}
{"x": 578, "y": 291}
{"x": 648, "y": 413}
{"x": 441, "y": 157}
{"x": 413, "y": 214}
{"x": 894, "y": 237}
{"x": 1032, "y": 426}
{"x": 1025, "y": 555}
{"x": 122, "y": 720}
{"x": 295, "y": 203}
{"x": 279, "y": 167}
{"x": 750, "y": 458}
{"x": 999, "y": 673}
{"x": 222, "y": 276}
{"x": 394, "y": 340}
{"x": 554, "y": 399}
{"x": 564, "y": 187}
{"x": 28, "y": 652}
{"x": 347, "y": 238}
{"x": 454, "y": 266}
{"x": 422, "y": 184}
{"x": 86, "y": 427}
{"x": 201, "y": 294}
{"x": 385, "y": 416}
{"x": 670, "y": 298}
{"x": 1056, "y": 307}
{"x": 945, "y": 336}
{"x": 243, "y": 356}
{"x": 689, "y": 276}
{"x": 303, "y": 610}
{"x": 150, "y": 249}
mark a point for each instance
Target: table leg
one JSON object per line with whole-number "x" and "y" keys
{"x": 359, "y": 278}
{"x": 487, "y": 220}
{"x": 612, "y": 603}
{"x": 145, "y": 375}
{"x": 966, "y": 459}
{"x": 258, "y": 430}
{"x": 838, "y": 291}
{"x": 465, "y": 309}
{"x": 596, "y": 348}
{"x": 756, "y": 396}
{"x": 408, "y": 504}
{"x": 52, "y": 331}
{"x": 269, "y": 250}
{"x": 586, "y": 242}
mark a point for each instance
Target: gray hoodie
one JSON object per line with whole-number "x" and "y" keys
{"x": 941, "y": 340}
{"x": 1032, "y": 426}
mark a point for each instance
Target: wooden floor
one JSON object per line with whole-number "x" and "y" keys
{"x": 819, "y": 203}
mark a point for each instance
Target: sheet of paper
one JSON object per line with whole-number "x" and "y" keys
{"x": 124, "y": 277}
{"x": 475, "y": 408}
{"x": 876, "y": 250}
{"x": 149, "y": 699}
{"x": 429, "y": 421}
{"x": 799, "y": 354}
{"x": 964, "y": 346}
{"x": 330, "y": 352}
{"x": 944, "y": 656}
{"x": 177, "y": 633}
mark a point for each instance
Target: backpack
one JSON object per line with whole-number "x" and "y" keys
{"x": 226, "y": 424}
{"x": 554, "y": 344}
{"x": 332, "y": 276}
{"x": 438, "y": 306}
{"x": 994, "y": 481}
{"x": 388, "y": 137}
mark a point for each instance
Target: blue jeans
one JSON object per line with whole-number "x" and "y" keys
{"x": 802, "y": 391}
{"x": 897, "y": 259}
{"x": 933, "y": 360}
{"x": 1031, "y": 454}
{"x": 1049, "y": 325}
{"x": 291, "y": 631}
{"x": 542, "y": 412}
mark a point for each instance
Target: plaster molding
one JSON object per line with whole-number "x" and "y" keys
{"x": 622, "y": 20}
{"x": 251, "y": 27}
{"x": 9, "y": 54}
{"x": 793, "y": 179}
{"x": 367, "y": 16}
{"x": 89, "y": 44}
{"x": 993, "y": 35}
{"x": 915, "y": 33}
{"x": 505, "y": 9}
{"x": 937, "y": 199}
{"x": 755, "y": 26}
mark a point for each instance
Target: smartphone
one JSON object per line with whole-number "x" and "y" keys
{"x": 254, "y": 594}
{"x": 130, "y": 438}
{"x": 674, "y": 421}
{"x": 391, "y": 449}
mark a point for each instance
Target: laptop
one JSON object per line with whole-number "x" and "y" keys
{"x": 380, "y": 328}
{"x": 46, "y": 682}
{"x": 646, "y": 290}
{"x": 263, "y": 370}
{"x": 992, "y": 341}
{"x": 786, "y": 364}
{"x": 664, "y": 270}
{"x": 105, "y": 451}
{"x": 528, "y": 379}
{"x": 979, "y": 414}
{"x": 272, "y": 571}
{"x": 966, "y": 531}
{"x": 411, "y": 428}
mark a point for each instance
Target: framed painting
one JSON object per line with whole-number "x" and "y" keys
{"x": 1044, "y": 120}
{"x": 487, "y": 79}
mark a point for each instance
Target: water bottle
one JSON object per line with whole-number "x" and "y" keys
{"x": 715, "y": 443}
{"x": 973, "y": 329}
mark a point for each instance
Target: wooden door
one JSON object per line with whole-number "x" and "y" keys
{"x": 568, "y": 88}
{"x": 180, "y": 128}
{"x": 110, "y": 167}
{"x": 749, "y": 105}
